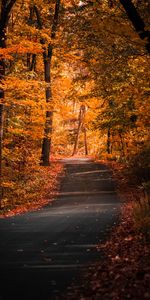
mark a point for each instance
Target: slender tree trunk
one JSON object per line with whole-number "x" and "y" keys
{"x": 2, "y": 75}
{"x": 1, "y": 143}
{"x": 31, "y": 62}
{"x": 28, "y": 60}
{"x": 46, "y": 145}
{"x": 80, "y": 124}
{"x": 137, "y": 21}
{"x": 122, "y": 145}
{"x": 108, "y": 142}
{"x": 85, "y": 141}
{"x": 77, "y": 139}
{"x": 31, "y": 58}
{"x": 5, "y": 9}
{"x": 47, "y": 57}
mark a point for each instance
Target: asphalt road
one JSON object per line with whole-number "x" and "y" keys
{"x": 43, "y": 252}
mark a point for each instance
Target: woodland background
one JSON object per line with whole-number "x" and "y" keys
{"x": 74, "y": 78}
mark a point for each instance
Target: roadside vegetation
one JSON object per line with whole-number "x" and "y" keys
{"x": 33, "y": 192}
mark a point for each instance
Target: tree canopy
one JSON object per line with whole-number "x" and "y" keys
{"x": 57, "y": 57}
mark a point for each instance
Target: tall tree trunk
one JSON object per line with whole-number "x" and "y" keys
{"x": 46, "y": 145}
{"x": 77, "y": 138}
{"x": 47, "y": 58}
{"x": 31, "y": 62}
{"x": 80, "y": 124}
{"x": 5, "y": 9}
{"x": 3, "y": 25}
{"x": 137, "y": 21}
{"x": 108, "y": 142}
{"x": 85, "y": 141}
{"x": 1, "y": 143}
{"x": 122, "y": 145}
{"x": 2, "y": 74}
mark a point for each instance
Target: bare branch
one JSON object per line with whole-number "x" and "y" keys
{"x": 38, "y": 16}
{"x": 56, "y": 18}
{"x": 137, "y": 21}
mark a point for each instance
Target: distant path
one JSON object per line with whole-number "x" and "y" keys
{"x": 42, "y": 252}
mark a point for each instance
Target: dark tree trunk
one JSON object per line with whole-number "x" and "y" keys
{"x": 28, "y": 60}
{"x": 2, "y": 74}
{"x": 122, "y": 145}
{"x": 85, "y": 141}
{"x": 5, "y": 10}
{"x": 47, "y": 57}
{"x": 108, "y": 142}
{"x": 46, "y": 145}
{"x": 1, "y": 143}
{"x": 31, "y": 58}
{"x": 31, "y": 62}
{"x": 80, "y": 124}
{"x": 137, "y": 21}
{"x": 77, "y": 137}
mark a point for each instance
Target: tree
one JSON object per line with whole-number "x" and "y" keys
{"x": 96, "y": 60}
{"x": 5, "y": 10}
{"x": 47, "y": 57}
{"x": 80, "y": 127}
{"x": 112, "y": 51}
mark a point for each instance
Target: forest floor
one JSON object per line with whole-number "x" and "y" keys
{"x": 51, "y": 177}
{"x": 125, "y": 273}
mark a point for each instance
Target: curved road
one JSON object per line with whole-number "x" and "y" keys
{"x": 42, "y": 252}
